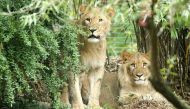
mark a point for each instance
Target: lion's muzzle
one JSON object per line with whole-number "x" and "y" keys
{"x": 139, "y": 79}
{"x": 94, "y": 39}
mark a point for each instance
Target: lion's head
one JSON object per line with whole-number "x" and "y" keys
{"x": 136, "y": 66}
{"x": 97, "y": 22}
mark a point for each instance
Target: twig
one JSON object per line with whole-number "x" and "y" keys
{"x": 20, "y": 11}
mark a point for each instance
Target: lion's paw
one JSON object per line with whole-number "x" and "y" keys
{"x": 127, "y": 99}
{"x": 147, "y": 97}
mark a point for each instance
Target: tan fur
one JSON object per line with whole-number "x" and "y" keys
{"x": 92, "y": 50}
{"x": 109, "y": 90}
{"x": 133, "y": 65}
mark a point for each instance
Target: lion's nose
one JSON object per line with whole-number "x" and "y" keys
{"x": 92, "y": 30}
{"x": 139, "y": 75}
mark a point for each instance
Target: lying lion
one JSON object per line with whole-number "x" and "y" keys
{"x": 133, "y": 77}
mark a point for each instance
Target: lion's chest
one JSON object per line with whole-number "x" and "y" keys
{"x": 93, "y": 55}
{"x": 92, "y": 59}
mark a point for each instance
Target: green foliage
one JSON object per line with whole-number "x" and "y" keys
{"x": 122, "y": 35}
{"x": 127, "y": 12}
{"x": 169, "y": 68}
{"x": 33, "y": 52}
{"x": 70, "y": 58}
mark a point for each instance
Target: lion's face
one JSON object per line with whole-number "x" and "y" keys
{"x": 97, "y": 22}
{"x": 137, "y": 67}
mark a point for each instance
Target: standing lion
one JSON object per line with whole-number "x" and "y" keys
{"x": 92, "y": 56}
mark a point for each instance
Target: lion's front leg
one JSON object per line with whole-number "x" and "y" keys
{"x": 127, "y": 97}
{"x": 65, "y": 95}
{"x": 75, "y": 93}
{"x": 95, "y": 78}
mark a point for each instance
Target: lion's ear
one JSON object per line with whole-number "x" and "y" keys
{"x": 147, "y": 55}
{"x": 111, "y": 12}
{"x": 83, "y": 8}
{"x": 125, "y": 56}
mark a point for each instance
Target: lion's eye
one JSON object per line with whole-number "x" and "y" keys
{"x": 125, "y": 60}
{"x": 88, "y": 19}
{"x": 100, "y": 20}
{"x": 145, "y": 64}
{"x": 132, "y": 66}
